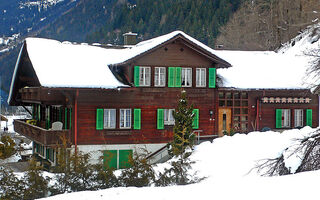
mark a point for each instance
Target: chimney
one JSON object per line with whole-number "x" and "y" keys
{"x": 130, "y": 38}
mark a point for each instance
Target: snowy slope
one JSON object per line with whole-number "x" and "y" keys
{"x": 288, "y": 68}
{"x": 227, "y": 163}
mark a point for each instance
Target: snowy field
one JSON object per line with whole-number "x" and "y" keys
{"x": 229, "y": 165}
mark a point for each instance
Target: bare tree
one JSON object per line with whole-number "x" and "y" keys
{"x": 266, "y": 25}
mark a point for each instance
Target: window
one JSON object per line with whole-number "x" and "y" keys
{"x": 285, "y": 118}
{"x": 109, "y": 118}
{"x": 298, "y": 118}
{"x": 144, "y": 76}
{"x": 186, "y": 77}
{"x": 168, "y": 117}
{"x": 125, "y": 118}
{"x": 201, "y": 77}
{"x": 160, "y": 77}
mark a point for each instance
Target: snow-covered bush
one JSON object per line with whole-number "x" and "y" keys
{"x": 303, "y": 155}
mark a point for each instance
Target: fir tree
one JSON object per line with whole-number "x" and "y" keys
{"x": 182, "y": 130}
{"x": 10, "y": 186}
{"x": 37, "y": 185}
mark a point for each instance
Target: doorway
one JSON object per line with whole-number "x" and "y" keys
{"x": 224, "y": 125}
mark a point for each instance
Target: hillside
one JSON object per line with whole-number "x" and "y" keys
{"x": 200, "y": 19}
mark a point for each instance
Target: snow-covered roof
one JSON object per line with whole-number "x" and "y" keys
{"x": 286, "y": 69}
{"x": 63, "y": 64}
{"x": 68, "y": 65}
{"x": 59, "y": 64}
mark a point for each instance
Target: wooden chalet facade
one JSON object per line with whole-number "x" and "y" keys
{"x": 135, "y": 111}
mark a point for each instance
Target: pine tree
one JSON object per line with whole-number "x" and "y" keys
{"x": 140, "y": 174}
{"x": 182, "y": 130}
{"x": 37, "y": 185}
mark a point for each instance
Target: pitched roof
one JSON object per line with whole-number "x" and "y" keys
{"x": 63, "y": 64}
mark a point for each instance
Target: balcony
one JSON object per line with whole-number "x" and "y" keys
{"x": 41, "y": 135}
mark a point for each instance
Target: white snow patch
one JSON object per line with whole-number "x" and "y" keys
{"x": 227, "y": 163}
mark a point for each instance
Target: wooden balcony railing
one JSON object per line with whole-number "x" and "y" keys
{"x": 40, "y": 135}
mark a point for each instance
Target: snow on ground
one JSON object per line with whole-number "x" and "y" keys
{"x": 9, "y": 124}
{"x": 227, "y": 163}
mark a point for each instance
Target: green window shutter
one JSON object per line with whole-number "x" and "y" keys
{"x": 33, "y": 112}
{"x": 278, "y": 118}
{"x": 110, "y": 159}
{"x": 309, "y": 117}
{"x": 178, "y": 77}
{"x": 47, "y": 153}
{"x": 124, "y": 158}
{"x": 39, "y": 112}
{"x": 65, "y": 118}
{"x": 136, "y": 75}
{"x": 137, "y": 119}
{"x": 99, "y": 121}
{"x": 70, "y": 118}
{"x": 212, "y": 77}
{"x": 60, "y": 115}
{"x": 160, "y": 119}
{"x": 48, "y": 118}
{"x": 195, "y": 123}
{"x": 171, "y": 75}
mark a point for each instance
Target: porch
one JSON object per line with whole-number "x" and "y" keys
{"x": 41, "y": 135}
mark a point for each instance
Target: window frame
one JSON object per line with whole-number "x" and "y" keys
{"x": 184, "y": 76}
{"x": 144, "y": 78}
{"x": 286, "y": 118}
{"x": 109, "y": 117}
{"x": 157, "y": 74}
{"x": 168, "y": 118}
{"x": 198, "y": 76}
{"x": 298, "y": 120}
{"x": 125, "y": 118}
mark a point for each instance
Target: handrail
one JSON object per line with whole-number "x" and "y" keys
{"x": 156, "y": 152}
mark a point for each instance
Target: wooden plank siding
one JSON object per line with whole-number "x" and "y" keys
{"x": 267, "y": 111}
{"x": 148, "y": 100}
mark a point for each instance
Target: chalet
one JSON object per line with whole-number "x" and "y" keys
{"x": 114, "y": 100}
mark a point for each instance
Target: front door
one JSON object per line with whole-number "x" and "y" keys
{"x": 224, "y": 121}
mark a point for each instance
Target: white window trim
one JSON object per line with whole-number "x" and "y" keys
{"x": 186, "y": 69}
{"x": 146, "y": 76}
{"x": 170, "y": 121}
{"x": 124, "y": 118}
{"x": 298, "y": 122}
{"x": 205, "y": 77}
{"x": 109, "y": 116}
{"x": 286, "y": 118}
{"x": 158, "y": 84}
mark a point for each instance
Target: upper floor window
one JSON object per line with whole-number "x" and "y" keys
{"x": 160, "y": 76}
{"x": 298, "y": 118}
{"x": 125, "y": 118}
{"x": 201, "y": 77}
{"x": 109, "y": 119}
{"x": 168, "y": 117}
{"x": 144, "y": 76}
{"x": 186, "y": 77}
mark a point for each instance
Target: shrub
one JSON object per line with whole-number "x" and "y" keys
{"x": 6, "y": 147}
{"x": 140, "y": 173}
